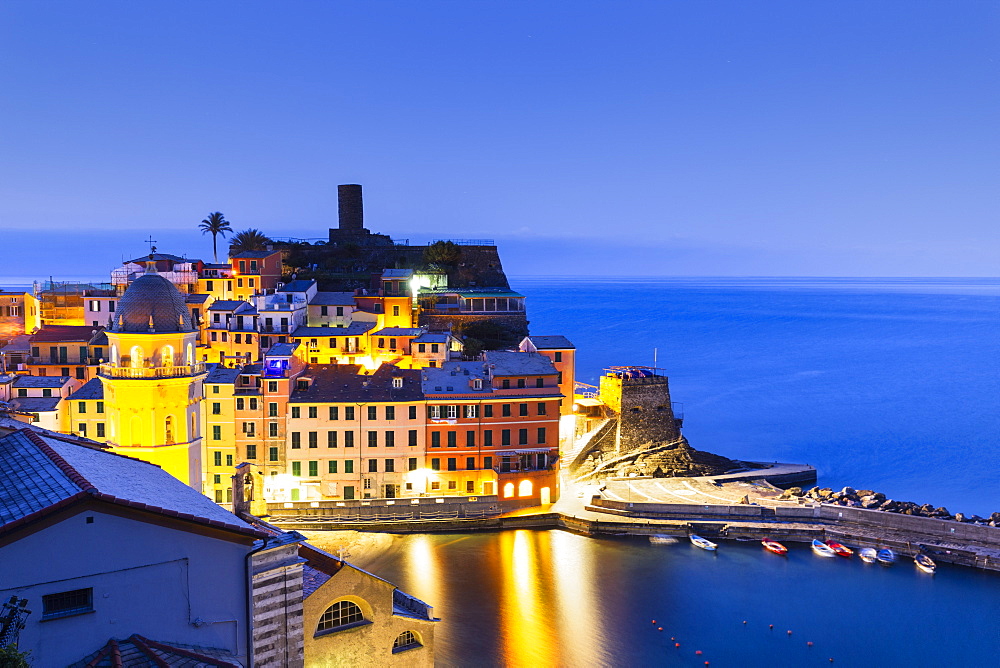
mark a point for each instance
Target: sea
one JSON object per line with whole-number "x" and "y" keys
{"x": 884, "y": 384}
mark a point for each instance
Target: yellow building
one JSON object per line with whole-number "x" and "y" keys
{"x": 153, "y": 383}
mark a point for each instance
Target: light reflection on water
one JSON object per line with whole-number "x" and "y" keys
{"x": 550, "y": 598}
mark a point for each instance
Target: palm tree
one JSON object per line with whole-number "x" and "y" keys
{"x": 215, "y": 225}
{"x": 248, "y": 240}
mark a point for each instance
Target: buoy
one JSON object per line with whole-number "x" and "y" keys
{"x": 659, "y": 628}
{"x": 789, "y": 633}
{"x": 677, "y": 644}
{"x": 654, "y": 621}
{"x": 770, "y": 626}
{"x": 697, "y": 651}
{"x": 810, "y": 643}
{"x": 672, "y": 639}
{"x": 744, "y": 621}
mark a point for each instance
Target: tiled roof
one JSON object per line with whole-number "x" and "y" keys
{"x": 196, "y": 298}
{"x": 140, "y": 652}
{"x": 39, "y": 474}
{"x": 354, "y": 329}
{"x": 333, "y": 299}
{"x": 160, "y": 256}
{"x": 92, "y": 389}
{"x": 282, "y": 349}
{"x": 455, "y": 378}
{"x": 21, "y": 343}
{"x": 41, "y": 381}
{"x": 397, "y": 273}
{"x": 254, "y": 254}
{"x": 296, "y": 286}
{"x": 59, "y": 333}
{"x": 433, "y": 337}
{"x": 340, "y": 382}
{"x": 35, "y": 404}
{"x": 100, "y": 339}
{"x": 212, "y": 265}
{"x": 506, "y": 363}
{"x": 400, "y": 331}
{"x": 312, "y": 579}
{"x": 550, "y": 342}
{"x": 221, "y": 375}
{"x": 226, "y": 304}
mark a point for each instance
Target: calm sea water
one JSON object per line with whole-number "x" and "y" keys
{"x": 888, "y": 384}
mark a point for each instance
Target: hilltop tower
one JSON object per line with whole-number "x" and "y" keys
{"x": 641, "y": 399}
{"x": 152, "y": 382}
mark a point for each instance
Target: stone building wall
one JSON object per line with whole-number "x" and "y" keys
{"x": 277, "y": 607}
{"x": 644, "y": 410}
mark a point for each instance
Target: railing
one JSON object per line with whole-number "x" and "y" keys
{"x": 116, "y": 371}
{"x": 467, "y": 242}
{"x": 279, "y": 329}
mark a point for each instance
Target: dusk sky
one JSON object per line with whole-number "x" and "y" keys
{"x": 614, "y": 138}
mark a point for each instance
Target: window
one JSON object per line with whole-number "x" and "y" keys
{"x": 82, "y": 429}
{"x": 487, "y": 462}
{"x": 348, "y": 439}
{"x": 297, "y": 469}
{"x": 348, "y": 412}
{"x": 217, "y": 458}
{"x": 434, "y": 412}
{"x": 470, "y": 411}
{"x": 411, "y": 464}
{"x": 240, "y": 403}
{"x": 216, "y": 408}
{"x": 272, "y": 386}
{"x": 68, "y": 603}
{"x": 413, "y": 412}
{"x": 452, "y": 412}
{"x": 421, "y": 347}
{"x": 412, "y": 438}
{"x": 253, "y": 404}
{"x": 505, "y": 437}
{"x": 296, "y": 440}
{"x": 390, "y": 412}
{"x": 522, "y": 409}
{"x": 373, "y": 466}
{"x": 348, "y": 489}
{"x": 522, "y": 436}
{"x": 296, "y": 412}
{"x": 216, "y": 433}
{"x": 348, "y": 468}
{"x": 434, "y": 347}
{"x": 470, "y": 463}
{"x": 373, "y": 413}
{"x": 313, "y": 411}
{"x": 46, "y": 392}
{"x": 100, "y": 406}
{"x": 558, "y": 356}
{"x": 331, "y": 439}
{"x": 367, "y": 484}
{"x": 404, "y": 641}
{"x": 452, "y": 440}
{"x": 520, "y": 382}
{"x": 272, "y": 430}
{"x": 215, "y": 388}
{"x": 332, "y": 467}
{"x": 541, "y": 435}
{"x": 272, "y": 454}
{"x": 505, "y": 383}
{"x": 372, "y": 439}
{"x": 435, "y": 485}
{"x": 539, "y": 382}
{"x": 340, "y": 310}
{"x": 334, "y": 413}
{"x": 390, "y": 466}
{"x": 435, "y": 439}
{"x": 541, "y": 408}
{"x": 435, "y": 464}
{"x": 272, "y": 409}
{"x": 452, "y": 484}
{"x": 505, "y": 410}
{"x": 470, "y": 439}
{"x": 313, "y": 469}
{"x": 390, "y": 439}
{"x": 100, "y": 430}
{"x": 452, "y": 464}
{"x": 251, "y": 451}
{"x": 229, "y": 460}
{"x": 488, "y": 438}
{"x": 397, "y": 382}
{"x": 313, "y": 439}
{"x": 82, "y": 407}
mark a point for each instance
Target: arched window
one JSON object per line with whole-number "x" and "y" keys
{"x": 190, "y": 355}
{"x": 404, "y": 641}
{"x": 524, "y": 489}
{"x": 114, "y": 354}
{"x": 167, "y": 356}
{"x": 137, "y": 358}
{"x": 508, "y": 490}
{"x": 341, "y": 613}
{"x": 168, "y": 428}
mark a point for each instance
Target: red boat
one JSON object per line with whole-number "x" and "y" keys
{"x": 841, "y": 550}
{"x": 774, "y": 546}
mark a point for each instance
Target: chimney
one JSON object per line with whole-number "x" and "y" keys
{"x": 352, "y": 216}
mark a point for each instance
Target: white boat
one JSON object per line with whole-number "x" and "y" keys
{"x": 868, "y": 555}
{"x": 822, "y": 549}
{"x": 925, "y": 563}
{"x": 704, "y": 544}
{"x": 662, "y": 539}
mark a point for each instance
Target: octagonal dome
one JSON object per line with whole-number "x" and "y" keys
{"x": 152, "y": 304}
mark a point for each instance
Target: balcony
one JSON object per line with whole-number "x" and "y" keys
{"x": 177, "y": 371}
{"x": 275, "y": 329}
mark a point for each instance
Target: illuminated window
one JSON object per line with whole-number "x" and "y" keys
{"x": 508, "y": 490}
{"x": 524, "y": 489}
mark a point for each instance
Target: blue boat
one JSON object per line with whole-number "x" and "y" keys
{"x": 886, "y": 557}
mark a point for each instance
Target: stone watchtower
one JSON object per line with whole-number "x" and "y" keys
{"x": 641, "y": 399}
{"x": 351, "y": 227}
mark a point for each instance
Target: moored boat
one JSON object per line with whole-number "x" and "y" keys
{"x": 840, "y": 549}
{"x": 703, "y": 543}
{"x": 662, "y": 539}
{"x": 925, "y": 563}
{"x": 868, "y": 555}
{"x": 774, "y": 546}
{"x": 822, "y": 549}
{"x": 886, "y": 557}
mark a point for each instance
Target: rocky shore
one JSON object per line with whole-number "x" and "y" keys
{"x": 871, "y": 500}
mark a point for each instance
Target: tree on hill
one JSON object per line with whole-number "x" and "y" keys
{"x": 215, "y": 225}
{"x": 248, "y": 240}
{"x": 445, "y": 253}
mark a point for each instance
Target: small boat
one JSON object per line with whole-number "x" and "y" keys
{"x": 774, "y": 546}
{"x": 662, "y": 539}
{"x": 886, "y": 557}
{"x": 841, "y": 550}
{"x": 704, "y": 544}
{"x": 868, "y": 555}
{"x": 822, "y": 549}
{"x": 925, "y": 563}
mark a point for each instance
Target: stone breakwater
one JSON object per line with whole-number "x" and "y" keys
{"x": 871, "y": 500}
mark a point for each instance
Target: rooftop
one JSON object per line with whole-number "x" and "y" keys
{"x": 139, "y": 652}
{"x": 196, "y": 298}
{"x": 156, "y": 257}
{"x": 59, "y": 333}
{"x": 400, "y": 331}
{"x": 35, "y": 404}
{"x": 220, "y": 375}
{"x": 550, "y": 342}
{"x": 505, "y": 363}
{"x": 297, "y": 286}
{"x": 456, "y": 378}
{"x": 152, "y": 303}
{"x": 282, "y": 350}
{"x": 39, "y": 475}
{"x": 354, "y": 329}
{"x": 92, "y": 389}
{"x": 41, "y": 381}
{"x": 341, "y": 383}
{"x": 253, "y": 255}
{"x": 333, "y": 299}
{"x": 226, "y": 304}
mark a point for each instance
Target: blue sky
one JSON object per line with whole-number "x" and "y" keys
{"x": 671, "y": 138}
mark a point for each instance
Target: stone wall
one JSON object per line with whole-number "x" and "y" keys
{"x": 644, "y": 410}
{"x": 277, "y": 607}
